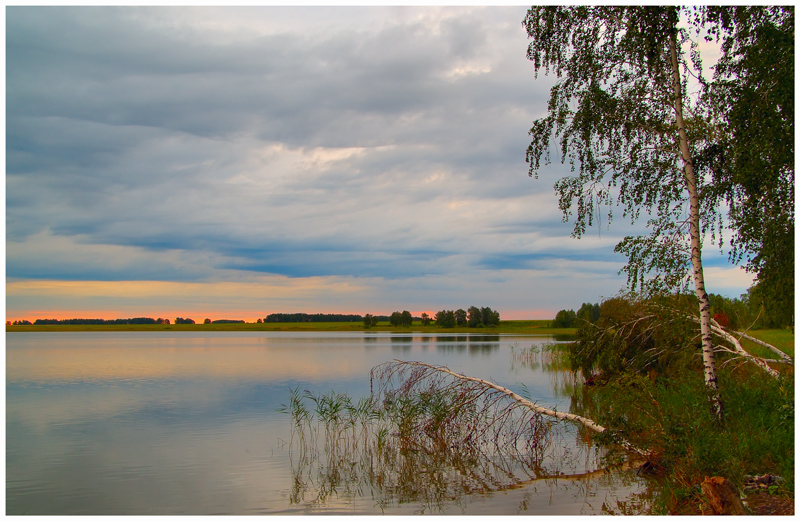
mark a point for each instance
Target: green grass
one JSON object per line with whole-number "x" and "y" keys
{"x": 520, "y": 327}
{"x": 781, "y": 338}
{"x": 669, "y": 415}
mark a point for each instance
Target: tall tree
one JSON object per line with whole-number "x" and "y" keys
{"x": 475, "y": 316}
{"x": 752, "y": 158}
{"x": 628, "y": 129}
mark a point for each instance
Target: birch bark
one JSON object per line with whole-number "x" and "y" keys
{"x": 709, "y": 364}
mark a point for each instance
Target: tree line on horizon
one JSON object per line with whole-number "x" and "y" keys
{"x": 315, "y": 317}
{"x": 473, "y": 317}
{"x": 116, "y": 321}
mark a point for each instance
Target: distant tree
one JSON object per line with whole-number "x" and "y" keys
{"x": 207, "y": 321}
{"x": 474, "y": 316}
{"x": 396, "y": 318}
{"x": 180, "y": 320}
{"x": 489, "y": 317}
{"x": 316, "y": 317}
{"x": 166, "y": 321}
{"x": 406, "y": 319}
{"x": 426, "y": 320}
{"x": 445, "y": 318}
{"x": 8, "y": 322}
{"x": 461, "y": 317}
{"x": 565, "y": 318}
{"x": 589, "y": 312}
{"x": 370, "y": 320}
{"x": 259, "y": 321}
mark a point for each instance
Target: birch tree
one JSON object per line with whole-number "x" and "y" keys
{"x": 627, "y": 126}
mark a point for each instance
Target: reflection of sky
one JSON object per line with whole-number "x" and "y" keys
{"x": 160, "y": 423}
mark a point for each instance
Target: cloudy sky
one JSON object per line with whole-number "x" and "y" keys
{"x": 229, "y": 163}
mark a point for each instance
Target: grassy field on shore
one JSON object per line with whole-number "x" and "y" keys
{"x": 520, "y": 327}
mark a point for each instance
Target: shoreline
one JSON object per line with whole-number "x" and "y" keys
{"x": 520, "y": 327}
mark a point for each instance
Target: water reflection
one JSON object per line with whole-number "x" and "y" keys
{"x": 183, "y": 423}
{"x": 430, "y": 440}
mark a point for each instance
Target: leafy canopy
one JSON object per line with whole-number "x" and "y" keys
{"x": 612, "y": 114}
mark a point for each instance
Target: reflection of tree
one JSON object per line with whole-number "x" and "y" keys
{"x": 422, "y": 438}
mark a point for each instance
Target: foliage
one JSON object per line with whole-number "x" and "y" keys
{"x": 315, "y": 317}
{"x": 93, "y": 321}
{"x": 180, "y": 320}
{"x": 445, "y": 318}
{"x": 564, "y": 318}
{"x": 569, "y": 318}
{"x": 369, "y": 321}
{"x": 751, "y": 160}
{"x": 489, "y": 317}
{"x": 588, "y": 312}
{"x": 667, "y": 413}
{"x": 618, "y": 120}
{"x": 473, "y": 317}
{"x": 401, "y": 318}
{"x": 613, "y": 114}
{"x": 635, "y": 335}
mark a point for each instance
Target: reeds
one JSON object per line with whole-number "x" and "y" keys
{"x": 421, "y": 436}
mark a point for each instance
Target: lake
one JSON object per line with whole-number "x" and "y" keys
{"x": 189, "y": 423}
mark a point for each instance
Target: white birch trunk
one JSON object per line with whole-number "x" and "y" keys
{"x": 709, "y": 365}
{"x": 786, "y": 358}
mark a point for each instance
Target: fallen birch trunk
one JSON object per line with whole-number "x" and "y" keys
{"x": 786, "y": 358}
{"x": 739, "y": 350}
{"x": 586, "y": 422}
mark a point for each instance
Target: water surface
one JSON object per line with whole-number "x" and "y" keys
{"x": 188, "y": 423}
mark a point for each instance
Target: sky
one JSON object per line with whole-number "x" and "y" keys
{"x": 234, "y": 162}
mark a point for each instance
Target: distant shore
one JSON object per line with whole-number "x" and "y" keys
{"x": 520, "y": 327}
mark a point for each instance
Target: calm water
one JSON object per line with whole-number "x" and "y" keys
{"x": 187, "y": 423}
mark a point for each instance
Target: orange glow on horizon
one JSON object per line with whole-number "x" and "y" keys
{"x": 247, "y": 316}
{"x": 232, "y": 300}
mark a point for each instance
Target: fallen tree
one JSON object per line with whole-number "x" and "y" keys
{"x": 421, "y": 371}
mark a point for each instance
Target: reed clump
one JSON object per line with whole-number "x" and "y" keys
{"x": 421, "y": 436}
